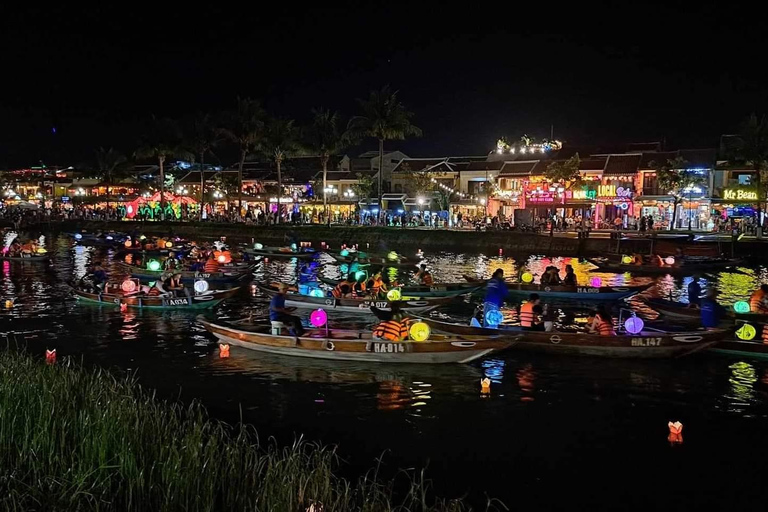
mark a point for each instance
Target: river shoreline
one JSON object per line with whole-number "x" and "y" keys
{"x": 384, "y": 239}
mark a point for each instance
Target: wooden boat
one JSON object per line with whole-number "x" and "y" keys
{"x": 756, "y": 349}
{"x": 373, "y": 260}
{"x": 281, "y": 252}
{"x": 646, "y": 344}
{"x": 33, "y": 258}
{"x": 188, "y": 301}
{"x": 582, "y": 293}
{"x": 690, "y": 267}
{"x": 435, "y": 290}
{"x": 356, "y": 305}
{"x": 188, "y": 276}
{"x": 346, "y": 345}
{"x": 681, "y": 311}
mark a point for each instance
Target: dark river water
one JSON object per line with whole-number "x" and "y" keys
{"x": 556, "y": 432}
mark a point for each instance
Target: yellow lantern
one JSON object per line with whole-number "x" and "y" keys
{"x": 485, "y": 386}
{"x": 394, "y": 294}
{"x": 746, "y": 332}
{"x": 168, "y": 245}
{"x": 626, "y": 259}
{"x": 40, "y": 250}
{"x": 419, "y": 331}
{"x": 527, "y": 277}
{"x": 128, "y": 244}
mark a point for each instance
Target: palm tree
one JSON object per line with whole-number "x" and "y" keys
{"x": 324, "y": 139}
{"x": 164, "y": 141}
{"x": 384, "y": 118}
{"x": 752, "y": 148}
{"x": 204, "y": 135}
{"x": 108, "y": 161}
{"x": 245, "y": 127}
{"x": 281, "y": 139}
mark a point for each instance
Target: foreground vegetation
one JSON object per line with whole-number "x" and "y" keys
{"x": 80, "y": 439}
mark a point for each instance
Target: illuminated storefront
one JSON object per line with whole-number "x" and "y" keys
{"x": 615, "y": 201}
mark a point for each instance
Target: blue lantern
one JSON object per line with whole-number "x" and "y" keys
{"x": 493, "y": 318}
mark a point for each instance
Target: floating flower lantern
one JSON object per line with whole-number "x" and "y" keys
{"x": 626, "y": 259}
{"x": 50, "y": 356}
{"x": 258, "y": 246}
{"x": 485, "y": 386}
{"x": 223, "y": 351}
{"x": 392, "y": 256}
{"x": 128, "y": 244}
{"x": 419, "y": 331}
{"x": 669, "y": 260}
{"x": 675, "y": 432}
{"x": 344, "y": 253}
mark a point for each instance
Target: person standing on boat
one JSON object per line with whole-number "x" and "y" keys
{"x": 758, "y": 301}
{"x": 279, "y": 313}
{"x": 570, "y": 276}
{"x": 393, "y": 325}
{"x": 694, "y": 292}
{"x": 495, "y": 293}
{"x": 712, "y": 312}
{"x": 528, "y": 315}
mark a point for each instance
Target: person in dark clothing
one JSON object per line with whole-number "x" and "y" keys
{"x": 694, "y": 292}
{"x": 279, "y": 313}
{"x": 570, "y": 276}
{"x": 712, "y": 313}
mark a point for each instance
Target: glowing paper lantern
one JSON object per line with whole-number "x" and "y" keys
{"x": 128, "y": 286}
{"x": 596, "y": 282}
{"x": 223, "y": 351}
{"x": 419, "y": 331}
{"x": 142, "y": 237}
{"x": 344, "y": 253}
{"x": 221, "y": 258}
{"x": 128, "y": 244}
{"x": 201, "y": 286}
{"x": 669, "y": 260}
{"x": 8, "y": 304}
{"x": 634, "y": 325}
{"x": 123, "y": 307}
{"x": 160, "y": 243}
{"x": 317, "y": 292}
{"x": 746, "y": 332}
{"x": 741, "y": 307}
{"x": 293, "y": 247}
{"x": 109, "y": 237}
{"x": 154, "y": 265}
{"x": 50, "y": 356}
{"x": 258, "y": 247}
{"x": 626, "y": 259}
{"x": 360, "y": 275}
{"x": 493, "y": 318}
{"x": 40, "y": 250}
{"x": 527, "y": 277}
{"x": 675, "y": 432}
{"x": 392, "y": 256}
{"x": 168, "y": 245}
{"x": 318, "y": 317}
{"x": 394, "y": 294}
{"x": 78, "y": 236}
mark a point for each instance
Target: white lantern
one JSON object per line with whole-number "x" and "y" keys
{"x": 201, "y": 286}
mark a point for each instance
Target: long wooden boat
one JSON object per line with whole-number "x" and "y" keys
{"x": 754, "y": 349}
{"x": 681, "y": 311}
{"x": 357, "y": 305}
{"x": 582, "y": 293}
{"x": 348, "y": 345}
{"x": 435, "y": 290}
{"x": 643, "y": 345}
{"x": 686, "y": 269}
{"x": 373, "y": 260}
{"x": 190, "y": 301}
{"x": 188, "y": 276}
{"x": 280, "y": 253}
{"x": 33, "y": 258}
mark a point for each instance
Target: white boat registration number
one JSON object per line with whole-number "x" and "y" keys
{"x": 587, "y": 290}
{"x": 646, "y": 342}
{"x": 379, "y": 305}
{"x": 177, "y": 302}
{"x": 389, "y": 348}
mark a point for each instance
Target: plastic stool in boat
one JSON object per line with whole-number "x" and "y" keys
{"x": 277, "y": 327}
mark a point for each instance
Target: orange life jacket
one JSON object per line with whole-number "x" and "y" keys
{"x": 211, "y": 266}
{"x": 756, "y": 301}
{"x": 338, "y": 292}
{"x": 427, "y": 279}
{"x": 153, "y": 292}
{"x": 526, "y": 314}
{"x": 392, "y": 330}
{"x": 377, "y": 285}
{"x": 604, "y": 328}
{"x": 765, "y": 334}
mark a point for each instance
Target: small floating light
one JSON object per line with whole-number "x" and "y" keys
{"x": 741, "y": 307}
{"x": 223, "y": 351}
{"x": 41, "y": 250}
{"x": 293, "y": 247}
{"x": 485, "y": 386}
{"x": 50, "y": 356}
{"x": 419, "y": 331}
{"x": 128, "y": 244}
{"x": 626, "y": 259}
{"x": 123, "y": 307}
{"x": 527, "y": 277}
{"x": 344, "y": 253}
{"x": 669, "y": 260}
{"x": 596, "y": 282}
{"x": 221, "y": 258}
{"x": 318, "y": 317}
{"x": 634, "y": 325}
{"x": 168, "y": 245}
{"x": 8, "y": 304}
{"x": 746, "y": 332}
{"x": 675, "y": 432}
{"x": 78, "y": 236}
{"x": 394, "y": 294}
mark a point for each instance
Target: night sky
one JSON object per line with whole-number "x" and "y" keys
{"x": 621, "y": 73}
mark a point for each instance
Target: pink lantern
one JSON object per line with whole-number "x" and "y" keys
{"x": 596, "y": 282}
{"x": 318, "y": 318}
{"x": 128, "y": 286}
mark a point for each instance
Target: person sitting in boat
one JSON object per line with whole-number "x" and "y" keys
{"x": 156, "y": 289}
{"x": 374, "y": 285}
{"x": 712, "y": 313}
{"x": 527, "y": 314}
{"x": 393, "y": 325}
{"x": 344, "y": 289}
{"x": 211, "y": 265}
{"x": 550, "y": 276}
{"x": 637, "y": 259}
{"x": 170, "y": 262}
{"x": 758, "y": 301}
{"x": 602, "y": 323}
{"x": 172, "y": 282}
{"x": 658, "y": 260}
{"x": 694, "y": 292}
{"x": 570, "y": 276}
{"x": 279, "y": 313}
{"x": 423, "y": 276}
{"x": 538, "y": 319}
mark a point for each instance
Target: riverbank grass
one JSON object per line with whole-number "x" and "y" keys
{"x": 73, "y": 438}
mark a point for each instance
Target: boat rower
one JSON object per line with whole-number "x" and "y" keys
{"x": 423, "y": 276}
{"x": 712, "y": 313}
{"x": 694, "y": 292}
{"x": 495, "y": 293}
{"x": 345, "y": 289}
{"x": 393, "y": 325}
{"x": 758, "y": 301}
{"x": 279, "y": 313}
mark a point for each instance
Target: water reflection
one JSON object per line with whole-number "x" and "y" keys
{"x": 742, "y": 380}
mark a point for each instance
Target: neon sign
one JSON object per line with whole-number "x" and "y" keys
{"x": 739, "y": 194}
{"x": 581, "y": 194}
{"x": 612, "y": 192}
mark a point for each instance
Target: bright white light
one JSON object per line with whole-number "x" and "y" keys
{"x": 421, "y": 200}
{"x": 542, "y": 150}
{"x": 512, "y": 150}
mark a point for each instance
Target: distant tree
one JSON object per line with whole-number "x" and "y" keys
{"x": 564, "y": 171}
{"x": 109, "y": 162}
{"x": 281, "y": 139}
{"x": 325, "y": 139}
{"x": 163, "y": 141}
{"x": 203, "y": 135}
{"x": 674, "y": 177}
{"x": 383, "y": 118}
{"x": 244, "y": 127}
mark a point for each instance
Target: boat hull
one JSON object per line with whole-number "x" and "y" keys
{"x": 434, "y": 291}
{"x": 581, "y": 293}
{"x": 190, "y": 277}
{"x": 183, "y": 302}
{"x": 684, "y": 270}
{"x": 26, "y": 259}
{"x": 455, "y": 350}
